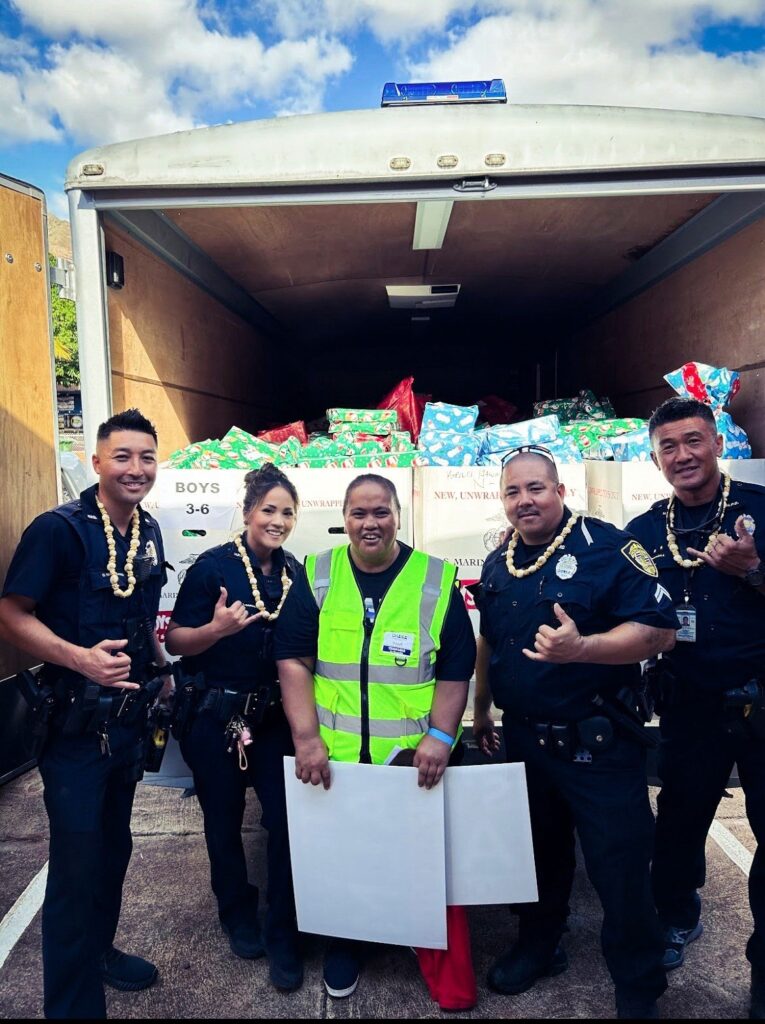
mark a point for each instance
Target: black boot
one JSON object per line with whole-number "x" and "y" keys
{"x": 523, "y": 965}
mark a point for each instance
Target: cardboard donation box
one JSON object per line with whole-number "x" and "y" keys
{"x": 619, "y": 491}
{"x": 459, "y": 515}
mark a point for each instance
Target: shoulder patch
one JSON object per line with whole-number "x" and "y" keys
{"x": 637, "y": 555}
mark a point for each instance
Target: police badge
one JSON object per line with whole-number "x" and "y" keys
{"x": 566, "y": 567}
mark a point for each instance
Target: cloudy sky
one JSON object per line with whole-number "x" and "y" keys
{"x": 75, "y": 73}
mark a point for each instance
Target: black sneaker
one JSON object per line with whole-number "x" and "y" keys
{"x": 342, "y": 966}
{"x": 675, "y": 941}
{"x": 245, "y": 940}
{"x": 522, "y": 966}
{"x": 125, "y": 972}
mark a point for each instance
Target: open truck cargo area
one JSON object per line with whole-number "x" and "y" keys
{"x": 597, "y": 247}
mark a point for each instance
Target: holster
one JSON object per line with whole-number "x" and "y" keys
{"x": 659, "y": 685}
{"x": 746, "y": 705}
{"x": 188, "y": 691}
{"x": 621, "y": 712}
{"x": 41, "y": 699}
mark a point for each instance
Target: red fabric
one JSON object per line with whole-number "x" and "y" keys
{"x": 409, "y": 406}
{"x": 278, "y": 434}
{"x": 494, "y": 409}
{"x": 449, "y": 973}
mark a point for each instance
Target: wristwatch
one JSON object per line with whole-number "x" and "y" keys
{"x": 756, "y": 577}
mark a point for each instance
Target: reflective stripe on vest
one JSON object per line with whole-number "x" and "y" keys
{"x": 400, "y": 685}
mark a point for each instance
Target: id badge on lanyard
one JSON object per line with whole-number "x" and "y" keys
{"x": 686, "y": 619}
{"x": 686, "y": 615}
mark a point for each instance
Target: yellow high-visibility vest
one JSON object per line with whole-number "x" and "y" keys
{"x": 374, "y": 681}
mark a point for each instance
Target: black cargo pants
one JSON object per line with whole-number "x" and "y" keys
{"x": 699, "y": 746}
{"x": 606, "y": 802}
{"x": 221, "y": 787}
{"x": 89, "y": 800}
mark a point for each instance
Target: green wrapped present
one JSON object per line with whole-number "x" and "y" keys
{"x": 381, "y": 420}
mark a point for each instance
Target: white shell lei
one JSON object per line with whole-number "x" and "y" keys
{"x": 111, "y": 565}
{"x": 259, "y": 602}
{"x": 694, "y": 563}
{"x": 551, "y": 548}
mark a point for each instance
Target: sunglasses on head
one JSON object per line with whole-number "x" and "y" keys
{"x": 530, "y": 449}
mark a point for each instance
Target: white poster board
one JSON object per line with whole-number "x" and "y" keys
{"x": 489, "y": 850}
{"x": 368, "y": 857}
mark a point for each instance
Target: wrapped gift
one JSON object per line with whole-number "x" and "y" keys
{"x": 442, "y": 416}
{"x": 512, "y": 435}
{"x": 449, "y": 447}
{"x": 717, "y": 387}
{"x": 632, "y": 447}
{"x": 378, "y": 421}
{"x": 279, "y": 434}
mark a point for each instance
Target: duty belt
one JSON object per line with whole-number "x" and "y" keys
{"x": 225, "y": 703}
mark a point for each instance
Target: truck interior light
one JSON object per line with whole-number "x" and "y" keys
{"x": 422, "y": 297}
{"x": 431, "y": 222}
{"x": 397, "y": 94}
{"x": 400, "y": 163}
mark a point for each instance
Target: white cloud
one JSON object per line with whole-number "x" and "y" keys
{"x": 20, "y": 122}
{"x": 125, "y": 70}
{"x": 615, "y": 54}
{"x": 388, "y": 19}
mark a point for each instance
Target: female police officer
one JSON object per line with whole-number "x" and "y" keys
{"x": 238, "y": 735}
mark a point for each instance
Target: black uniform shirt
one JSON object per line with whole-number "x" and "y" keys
{"x": 243, "y": 660}
{"x": 47, "y": 566}
{"x": 601, "y": 578}
{"x": 730, "y": 614}
{"x": 297, "y": 632}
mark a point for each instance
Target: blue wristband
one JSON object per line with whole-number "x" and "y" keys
{"x": 439, "y": 735}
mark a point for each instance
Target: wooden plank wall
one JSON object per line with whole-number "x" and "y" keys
{"x": 711, "y": 311}
{"x": 27, "y": 414}
{"x": 184, "y": 360}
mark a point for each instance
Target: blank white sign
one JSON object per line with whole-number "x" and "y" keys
{"x": 368, "y": 857}
{"x": 489, "y": 852}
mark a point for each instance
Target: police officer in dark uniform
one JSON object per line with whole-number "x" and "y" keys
{"x": 236, "y": 734}
{"x": 708, "y": 543}
{"x": 82, "y": 595}
{"x": 569, "y": 606}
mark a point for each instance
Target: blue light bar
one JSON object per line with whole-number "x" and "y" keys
{"x": 399, "y": 94}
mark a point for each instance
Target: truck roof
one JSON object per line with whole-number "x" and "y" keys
{"x": 430, "y": 142}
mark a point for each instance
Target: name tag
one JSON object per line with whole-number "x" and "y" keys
{"x": 686, "y": 617}
{"x": 401, "y": 644}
